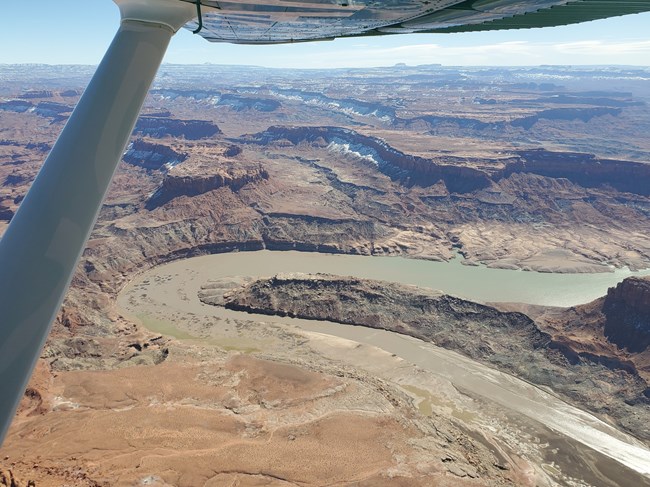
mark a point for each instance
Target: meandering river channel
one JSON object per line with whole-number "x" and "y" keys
{"x": 476, "y": 283}
{"x": 174, "y": 287}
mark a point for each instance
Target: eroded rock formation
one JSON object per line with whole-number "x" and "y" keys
{"x": 511, "y": 341}
{"x": 461, "y": 175}
{"x": 585, "y": 169}
{"x": 627, "y": 312}
{"x": 225, "y": 167}
{"x": 179, "y": 183}
{"x": 158, "y": 126}
{"x": 152, "y": 156}
{"x": 406, "y": 168}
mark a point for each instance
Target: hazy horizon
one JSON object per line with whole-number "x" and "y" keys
{"x": 395, "y": 65}
{"x": 72, "y": 39}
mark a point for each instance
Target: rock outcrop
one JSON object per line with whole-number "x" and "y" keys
{"x": 152, "y": 156}
{"x": 446, "y": 320}
{"x": 510, "y": 341}
{"x": 7, "y": 479}
{"x": 36, "y": 94}
{"x": 460, "y": 174}
{"x": 158, "y": 127}
{"x": 627, "y": 311}
{"x": 178, "y": 184}
{"x": 56, "y": 111}
{"x": 586, "y": 170}
{"x": 225, "y": 167}
{"x": 240, "y": 103}
{"x": 70, "y": 93}
{"x": 408, "y": 169}
{"x": 18, "y": 106}
{"x": 6, "y": 212}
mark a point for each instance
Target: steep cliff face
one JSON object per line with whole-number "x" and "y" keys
{"x": 36, "y": 94}
{"x": 70, "y": 93}
{"x": 175, "y": 185}
{"x": 410, "y": 170}
{"x": 174, "y": 93}
{"x": 349, "y": 106}
{"x": 466, "y": 123}
{"x": 237, "y": 102}
{"x": 458, "y": 174}
{"x": 57, "y": 111}
{"x": 152, "y": 156}
{"x": 158, "y": 127}
{"x": 223, "y": 166}
{"x": 240, "y": 103}
{"x": 48, "y": 109}
{"x": 627, "y": 312}
{"x": 6, "y": 213}
{"x": 585, "y": 169}
{"x": 18, "y": 106}
{"x": 437, "y": 123}
{"x": 510, "y": 341}
{"x": 582, "y": 114}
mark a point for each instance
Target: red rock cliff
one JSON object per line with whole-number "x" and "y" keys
{"x": 627, "y": 311}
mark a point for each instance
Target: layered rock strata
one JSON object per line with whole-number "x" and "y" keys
{"x": 510, "y": 341}
{"x": 461, "y": 175}
{"x": 152, "y": 156}
{"x": 627, "y": 314}
{"x": 159, "y": 126}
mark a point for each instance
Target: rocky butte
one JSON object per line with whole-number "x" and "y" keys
{"x": 627, "y": 315}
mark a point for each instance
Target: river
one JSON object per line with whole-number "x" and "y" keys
{"x": 476, "y": 283}
{"x": 173, "y": 288}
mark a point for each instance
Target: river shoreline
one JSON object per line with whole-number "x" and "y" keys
{"x": 456, "y": 277}
{"x": 178, "y": 305}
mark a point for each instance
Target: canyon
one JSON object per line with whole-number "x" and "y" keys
{"x": 545, "y": 169}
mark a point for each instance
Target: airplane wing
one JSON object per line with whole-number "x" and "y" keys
{"x": 281, "y": 21}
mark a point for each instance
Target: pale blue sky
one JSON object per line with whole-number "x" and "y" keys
{"x": 78, "y": 32}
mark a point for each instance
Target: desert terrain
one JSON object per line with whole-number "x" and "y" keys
{"x": 533, "y": 169}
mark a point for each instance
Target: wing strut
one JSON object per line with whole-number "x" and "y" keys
{"x": 199, "y": 16}
{"x": 40, "y": 249}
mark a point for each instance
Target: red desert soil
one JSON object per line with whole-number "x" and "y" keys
{"x": 234, "y": 420}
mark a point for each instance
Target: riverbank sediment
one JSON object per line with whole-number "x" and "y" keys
{"x": 171, "y": 292}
